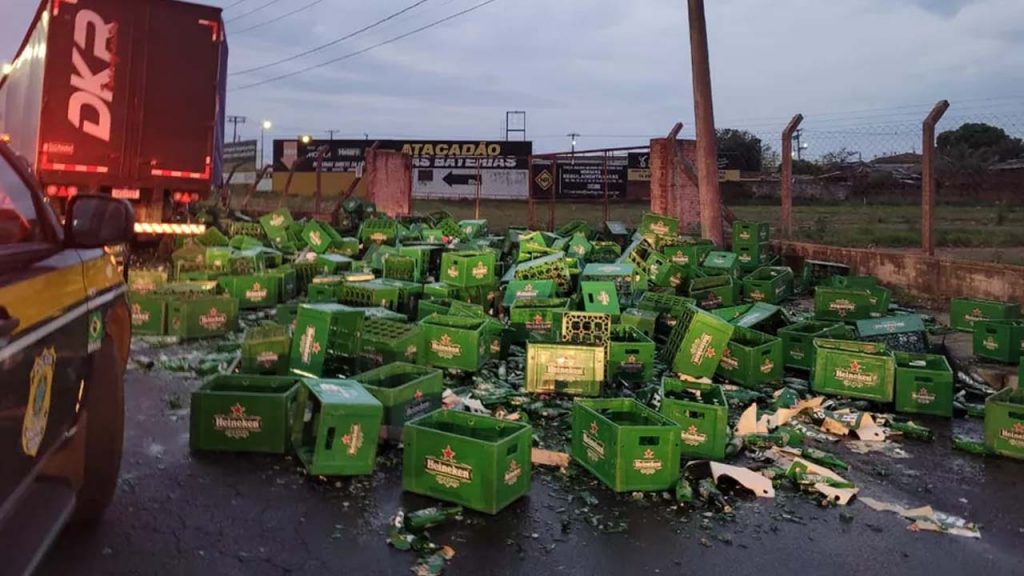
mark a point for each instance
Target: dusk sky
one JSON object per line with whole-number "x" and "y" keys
{"x": 616, "y": 72}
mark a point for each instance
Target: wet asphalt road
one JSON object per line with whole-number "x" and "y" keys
{"x": 183, "y": 513}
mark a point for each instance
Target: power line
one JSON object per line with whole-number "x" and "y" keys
{"x": 332, "y": 42}
{"x": 278, "y": 18}
{"x": 372, "y": 47}
{"x": 233, "y": 4}
{"x": 244, "y": 14}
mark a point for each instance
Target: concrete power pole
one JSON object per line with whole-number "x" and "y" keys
{"x": 704, "y": 113}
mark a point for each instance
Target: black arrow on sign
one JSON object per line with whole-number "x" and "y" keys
{"x": 452, "y": 179}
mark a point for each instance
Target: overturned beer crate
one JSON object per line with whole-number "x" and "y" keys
{"x": 769, "y": 284}
{"x": 854, "y": 370}
{"x": 457, "y": 342}
{"x": 645, "y": 321}
{"x": 476, "y": 461}
{"x": 385, "y": 341}
{"x": 586, "y": 328}
{"x": 964, "y": 313}
{"x": 658, "y": 229}
{"x": 624, "y": 275}
{"x": 767, "y": 318}
{"x": 242, "y": 413}
{"x": 625, "y": 444}
{"x": 600, "y": 297}
{"x": 721, "y": 263}
{"x": 371, "y": 293}
{"x": 694, "y": 347}
{"x": 713, "y": 292}
{"x": 335, "y": 427}
{"x": 798, "y": 341}
{"x": 191, "y": 316}
{"x": 406, "y": 391}
{"x": 924, "y": 384}
{"x": 904, "y": 333}
{"x": 751, "y": 358}
{"x": 468, "y": 268}
{"x": 324, "y": 334}
{"x": 564, "y": 369}
{"x": 554, "y": 267}
{"x": 630, "y": 355}
{"x": 999, "y": 340}
{"x": 527, "y": 290}
{"x": 816, "y": 272}
{"x": 265, "y": 350}
{"x": 702, "y": 413}
{"x": 849, "y": 304}
{"x": 537, "y": 320}
{"x": 1004, "y": 423}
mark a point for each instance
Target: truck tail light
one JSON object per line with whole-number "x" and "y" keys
{"x": 169, "y": 228}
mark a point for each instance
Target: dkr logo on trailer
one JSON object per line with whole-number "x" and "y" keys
{"x": 93, "y": 90}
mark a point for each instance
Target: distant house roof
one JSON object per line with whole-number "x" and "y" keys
{"x": 1017, "y": 164}
{"x": 905, "y": 158}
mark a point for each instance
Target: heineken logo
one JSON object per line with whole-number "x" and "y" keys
{"x": 756, "y": 295}
{"x": 139, "y": 315}
{"x": 445, "y": 348}
{"x": 797, "y": 354}
{"x": 693, "y": 437}
{"x": 608, "y": 268}
{"x": 453, "y": 271}
{"x": 213, "y": 320}
{"x": 659, "y": 228}
{"x": 447, "y": 471}
{"x": 631, "y": 364}
{"x": 594, "y": 447}
{"x": 990, "y": 344}
{"x": 308, "y": 345}
{"x": 564, "y": 367}
{"x": 654, "y": 269}
{"x": 256, "y": 294}
{"x": 143, "y": 285}
{"x": 852, "y": 377}
{"x": 468, "y": 229}
{"x": 729, "y": 362}
{"x": 353, "y": 441}
{"x": 604, "y": 298}
{"x": 528, "y": 291}
{"x": 314, "y": 238}
{"x": 411, "y": 351}
{"x": 922, "y": 396}
{"x": 579, "y": 250}
{"x": 744, "y": 235}
{"x": 767, "y": 366}
{"x": 890, "y": 326}
{"x": 538, "y": 323}
{"x": 647, "y": 465}
{"x": 417, "y": 407}
{"x": 712, "y": 300}
{"x": 335, "y": 390}
{"x": 744, "y": 257}
{"x": 378, "y": 237}
{"x": 496, "y": 346}
{"x": 267, "y": 358}
{"x": 237, "y": 424}
{"x": 701, "y": 349}
{"x": 680, "y": 258}
{"x": 975, "y": 316}
{"x": 1015, "y": 435}
{"x": 676, "y": 280}
{"x": 480, "y": 270}
{"x": 513, "y": 473}
{"x": 277, "y": 220}
{"x": 842, "y": 307}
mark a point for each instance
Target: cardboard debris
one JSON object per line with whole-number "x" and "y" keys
{"x": 783, "y": 415}
{"x": 926, "y": 518}
{"x": 749, "y": 424}
{"x": 868, "y": 431}
{"x": 749, "y": 479}
{"x": 840, "y": 493}
{"x": 542, "y": 457}
{"x": 886, "y": 447}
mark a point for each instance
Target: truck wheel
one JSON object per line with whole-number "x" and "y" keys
{"x": 103, "y": 405}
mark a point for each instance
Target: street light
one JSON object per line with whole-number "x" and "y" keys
{"x": 266, "y": 125}
{"x": 305, "y": 138}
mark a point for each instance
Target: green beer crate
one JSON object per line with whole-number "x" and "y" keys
{"x": 386, "y": 341}
{"x": 218, "y": 258}
{"x": 468, "y": 268}
{"x": 627, "y": 280}
{"x": 754, "y": 256}
{"x": 767, "y": 318}
{"x": 265, "y": 350}
{"x": 476, "y": 461}
{"x": 924, "y": 384}
{"x": 964, "y": 313}
{"x": 768, "y": 284}
{"x": 625, "y": 444}
{"x": 816, "y": 272}
{"x": 554, "y": 267}
{"x": 439, "y": 290}
{"x": 149, "y": 313}
{"x": 905, "y": 332}
{"x": 401, "y": 268}
{"x": 689, "y": 253}
{"x": 663, "y": 303}
{"x": 586, "y": 328}
{"x": 658, "y": 229}
{"x": 999, "y": 340}
{"x": 427, "y": 259}
{"x": 798, "y": 341}
{"x": 378, "y": 231}
{"x": 694, "y": 347}
{"x": 716, "y": 263}
{"x": 853, "y": 369}
{"x": 751, "y": 358}
{"x": 600, "y": 297}
{"x": 579, "y": 247}
{"x": 671, "y": 275}
{"x": 537, "y": 320}
{"x": 348, "y": 246}
{"x": 433, "y": 306}
{"x": 287, "y": 282}
{"x": 260, "y": 291}
{"x": 409, "y": 294}
{"x": 335, "y": 427}
{"x": 1004, "y": 423}
{"x": 333, "y": 264}
{"x": 407, "y": 391}
{"x": 247, "y": 262}
{"x": 201, "y": 316}
{"x": 643, "y": 320}
{"x": 630, "y": 355}
{"x": 322, "y": 332}
{"x": 456, "y": 341}
{"x": 702, "y": 413}
{"x": 856, "y": 282}
{"x": 319, "y": 236}
{"x": 285, "y": 315}
{"x": 473, "y": 228}
{"x": 276, "y": 224}
{"x": 844, "y": 304}
{"x": 712, "y": 292}
{"x": 146, "y": 281}
{"x": 371, "y": 293}
{"x": 242, "y": 413}
{"x": 745, "y": 233}
{"x": 527, "y": 290}
{"x": 564, "y": 369}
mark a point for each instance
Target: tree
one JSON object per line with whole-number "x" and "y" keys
{"x": 838, "y": 157}
{"x": 980, "y": 142}
{"x": 739, "y": 149}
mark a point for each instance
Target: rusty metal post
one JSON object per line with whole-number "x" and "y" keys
{"x": 928, "y": 177}
{"x": 607, "y": 212}
{"x": 320, "y": 152}
{"x": 704, "y": 113}
{"x": 478, "y": 178}
{"x": 529, "y": 197}
{"x": 786, "y": 179}
{"x": 551, "y": 202}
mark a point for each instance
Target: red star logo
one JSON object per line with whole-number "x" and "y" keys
{"x": 448, "y": 453}
{"x": 1019, "y": 427}
{"x": 538, "y": 319}
{"x": 648, "y": 454}
{"x": 593, "y": 427}
{"x": 710, "y": 353}
{"x": 346, "y": 439}
{"x": 976, "y": 313}
{"x": 855, "y": 366}
{"x": 418, "y": 395}
{"x": 316, "y": 347}
{"x": 726, "y": 353}
{"x": 238, "y": 410}
{"x": 691, "y": 430}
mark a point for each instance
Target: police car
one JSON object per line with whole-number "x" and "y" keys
{"x": 64, "y": 342}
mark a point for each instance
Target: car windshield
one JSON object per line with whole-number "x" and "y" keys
{"x": 19, "y": 221}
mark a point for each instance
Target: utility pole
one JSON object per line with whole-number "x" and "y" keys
{"x": 704, "y": 113}
{"x": 235, "y": 121}
{"x": 574, "y": 136}
{"x": 331, "y": 134}
{"x": 799, "y": 148}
